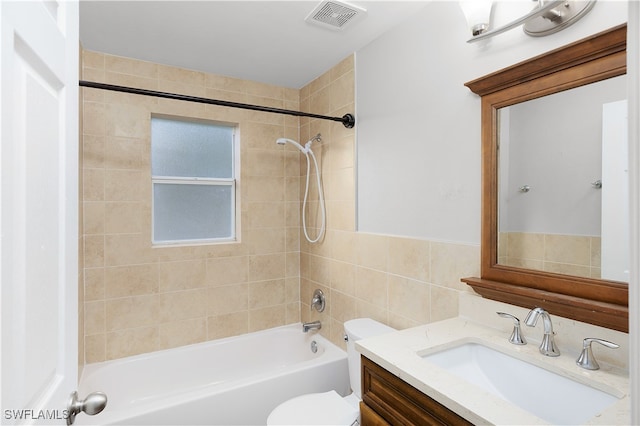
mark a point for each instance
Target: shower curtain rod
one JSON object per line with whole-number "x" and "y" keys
{"x": 348, "y": 120}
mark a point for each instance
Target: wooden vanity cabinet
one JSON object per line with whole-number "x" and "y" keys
{"x": 388, "y": 400}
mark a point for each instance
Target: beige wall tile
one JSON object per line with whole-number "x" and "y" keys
{"x": 130, "y": 280}
{"x": 93, "y": 185}
{"x": 450, "y": 262}
{"x": 341, "y": 215}
{"x": 126, "y": 120}
{"x": 567, "y": 249}
{"x": 126, "y": 185}
{"x": 94, "y": 321}
{"x": 372, "y": 286}
{"x": 269, "y": 317}
{"x": 95, "y": 348}
{"x": 181, "y": 305}
{"x": 410, "y": 299}
{"x": 343, "y": 307}
{"x": 409, "y": 258}
{"x": 126, "y": 153}
{"x": 526, "y": 246}
{"x": 93, "y": 152}
{"x": 266, "y": 240}
{"x": 342, "y": 67}
{"x": 343, "y": 91}
{"x": 93, "y": 118}
{"x": 94, "y": 284}
{"x": 92, "y": 59}
{"x": 292, "y": 290}
{"x": 195, "y": 78}
{"x": 444, "y": 303}
{"x": 180, "y": 333}
{"x": 124, "y": 217}
{"x": 373, "y": 251}
{"x": 266, "y": 293}
{"x": 184, "y": 275}
{"x": 129, "y": 80}
{"x": 93, "y": 218}
{"x": 227, "y": 299}
{"x": 94, "y": 251}
{"x": 292, "y": 263}
{"x": 130, "y": 66}
{"x": 343, "y": 277}
{"x": 127, "y": 312}
{"x": 227, "y": 270}
{"x": 266, "y": 267}
{"x": 132, "y": 341}
{"x": 128, "y": 249}
{"x": 227, "y": 325}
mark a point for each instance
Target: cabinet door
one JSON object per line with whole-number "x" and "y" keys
{"x": 368, "y": 417}
{"x": 399, "y": 403}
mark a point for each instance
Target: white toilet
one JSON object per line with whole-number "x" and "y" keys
{"x": 329, "y": 408}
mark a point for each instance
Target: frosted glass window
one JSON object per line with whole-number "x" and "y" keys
{"x": 193, "y": 177}
{"x": 192, "y": 212}
{"x": 191, "y": 149}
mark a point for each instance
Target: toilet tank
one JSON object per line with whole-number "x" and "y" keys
{"x": 355, "y": 330}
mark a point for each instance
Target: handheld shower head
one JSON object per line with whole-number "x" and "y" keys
{"x": 306, "y": 150}
{"x": 282, "y": 141}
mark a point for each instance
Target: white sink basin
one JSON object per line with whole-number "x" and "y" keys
{"x": 549, "y": 396}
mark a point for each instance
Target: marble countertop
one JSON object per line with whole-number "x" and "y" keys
{"x": 401, "y": 354}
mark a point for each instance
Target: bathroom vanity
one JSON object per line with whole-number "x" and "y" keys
{"x": 386, "y": 399}
{"x": 427, "y": 375}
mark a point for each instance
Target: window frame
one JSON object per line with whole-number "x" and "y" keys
{"x": 231, "y": 182}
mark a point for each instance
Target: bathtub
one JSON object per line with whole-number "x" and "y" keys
{"x": 231, "y": 381}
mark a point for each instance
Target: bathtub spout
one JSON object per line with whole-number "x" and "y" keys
{"x": 314, "y": 325}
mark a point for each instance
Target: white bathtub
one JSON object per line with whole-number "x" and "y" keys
{"x": 233, "y": 381}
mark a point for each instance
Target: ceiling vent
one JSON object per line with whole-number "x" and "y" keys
{"x": 335, "y": 15}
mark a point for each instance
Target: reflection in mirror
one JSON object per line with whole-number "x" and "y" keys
{"x": 563, "y": 184}
{"x": 549, "y": 171}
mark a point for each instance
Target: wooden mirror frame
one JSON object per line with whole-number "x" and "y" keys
{"x": 595, "y": 301}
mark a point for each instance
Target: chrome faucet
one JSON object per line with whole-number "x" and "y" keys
{"x": 314, "y": 325}
{"x": 586, "y": 359}
{"x": 516, "y": 335}
{"x": 547, "y": 346}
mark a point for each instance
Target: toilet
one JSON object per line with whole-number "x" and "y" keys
{"x": 329, "y": 408}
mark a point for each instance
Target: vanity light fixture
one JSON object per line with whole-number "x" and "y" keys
{"x": 548, "y": 17}
{"x": 478, "y": 14}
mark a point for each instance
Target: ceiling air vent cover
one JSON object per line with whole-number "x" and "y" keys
{"x": 335, "y": 15}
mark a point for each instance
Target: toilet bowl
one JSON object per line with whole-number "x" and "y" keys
{"x": 330, "y": 408}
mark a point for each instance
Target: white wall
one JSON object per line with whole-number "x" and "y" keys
{"x": 418, "y": 133}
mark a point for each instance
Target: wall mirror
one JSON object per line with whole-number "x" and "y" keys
{"x": 554, "y": 182}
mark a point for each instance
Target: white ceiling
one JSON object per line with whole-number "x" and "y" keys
{"x": 264, "y": 41}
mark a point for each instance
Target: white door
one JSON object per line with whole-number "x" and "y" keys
{"x": 39, "y": 209}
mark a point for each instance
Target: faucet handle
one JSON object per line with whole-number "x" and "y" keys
{"x": 317, "y": 301}
{"x": 516, "y": 335}
{"x": 586, "y": 358}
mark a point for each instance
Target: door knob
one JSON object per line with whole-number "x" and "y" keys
{"x": 93, "y": 404}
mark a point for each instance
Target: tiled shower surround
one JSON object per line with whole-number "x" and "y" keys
{"x": 140, "y": 298}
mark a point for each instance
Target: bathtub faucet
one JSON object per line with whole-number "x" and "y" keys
{"x": 314, "y": 325}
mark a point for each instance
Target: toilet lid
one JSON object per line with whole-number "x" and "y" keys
{"x": 327, "y": 408}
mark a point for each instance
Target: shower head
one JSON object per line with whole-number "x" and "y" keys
{"x": 282, "y": 141}
{"x": 306, "y": 148}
